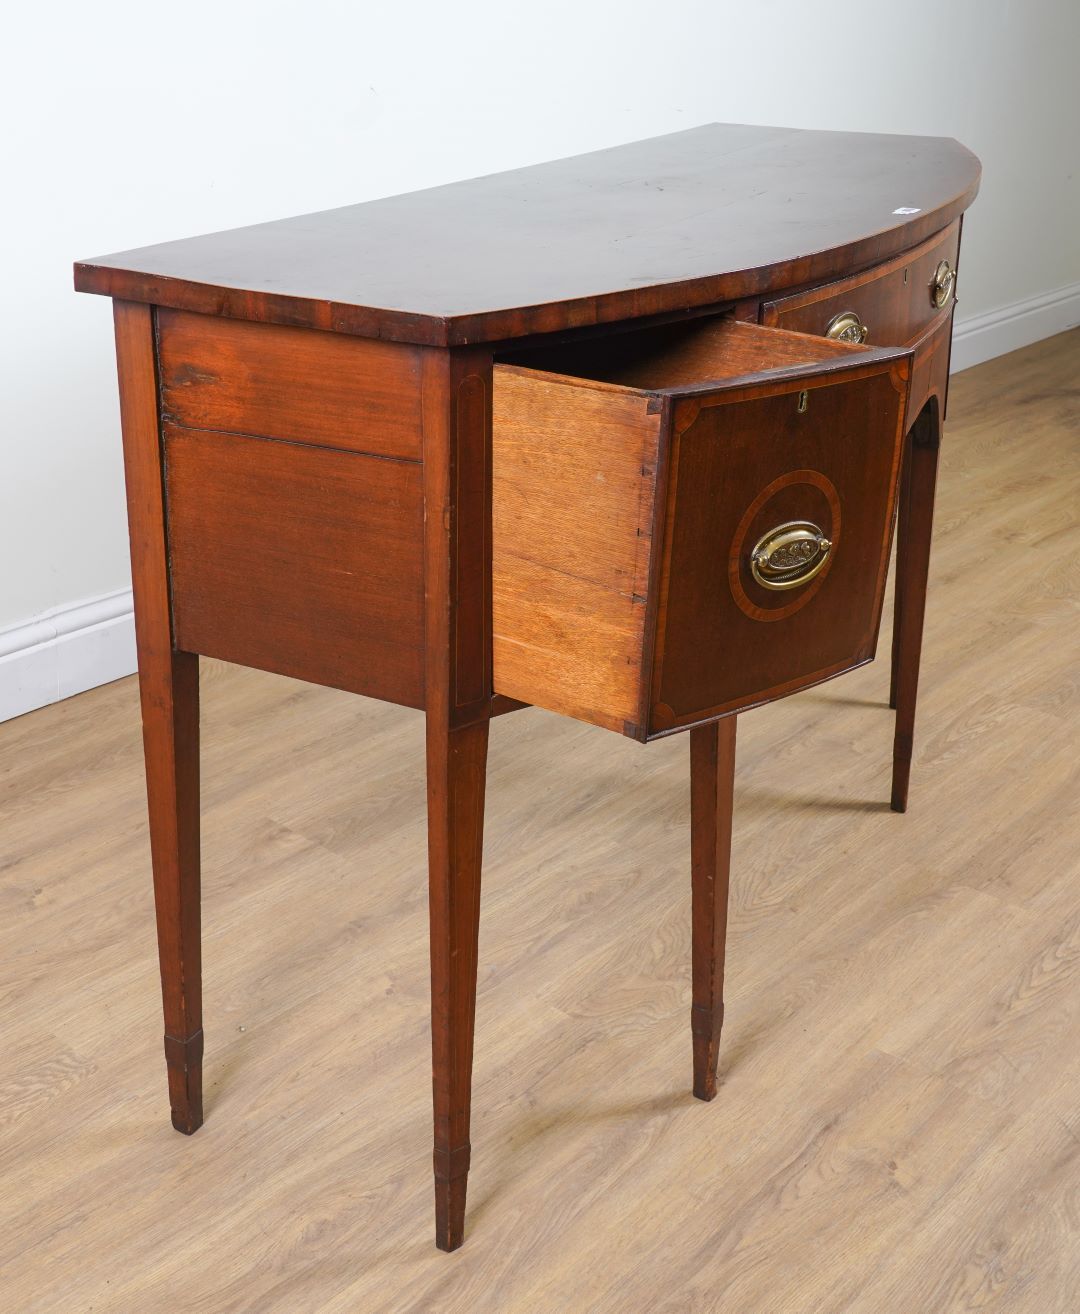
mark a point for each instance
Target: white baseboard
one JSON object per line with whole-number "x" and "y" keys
{"x": 66, "y": 651}
{"x": 995, "y": 332}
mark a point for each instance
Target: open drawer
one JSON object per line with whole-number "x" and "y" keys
{"x": 690, "y": 520}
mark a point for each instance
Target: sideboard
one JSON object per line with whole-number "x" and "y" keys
{"x": 624, "y": 436}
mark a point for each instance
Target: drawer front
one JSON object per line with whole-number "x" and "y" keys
{"x": 778, "y": 525}
{"x": 302, "y": 385}
{"x": 298, "y": 560}
{"x": 895, "y": 302}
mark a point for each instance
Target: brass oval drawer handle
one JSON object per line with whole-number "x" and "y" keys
{"x": 847, "y": 327}
{"x": 941, "y": 289}
{"x": 789, "y": 555}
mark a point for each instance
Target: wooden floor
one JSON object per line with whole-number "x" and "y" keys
{"x": 898, "y": 1128}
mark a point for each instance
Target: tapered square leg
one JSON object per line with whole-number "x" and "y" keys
{"x": 712, "y": 780}
{"x": 169, "y": 691}
{"x": 457, "y": 764}
{"x": 902, "y": 532}
{"x": 913, "y": 568}
{"x": 456, "y": 393}
{"x": 170, "y": 697}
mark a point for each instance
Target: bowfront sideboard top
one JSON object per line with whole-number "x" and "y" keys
{"x": 712, "y": 214}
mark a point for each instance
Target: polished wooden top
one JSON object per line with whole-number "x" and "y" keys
{"x": 711, "y": 214}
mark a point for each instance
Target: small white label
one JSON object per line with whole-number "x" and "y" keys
{"x": 908, "y": 209}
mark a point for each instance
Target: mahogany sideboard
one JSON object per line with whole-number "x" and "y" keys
{"x": 624, "y": 436}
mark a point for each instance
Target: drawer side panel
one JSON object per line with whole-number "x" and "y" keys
{"x": 573, "y": 478}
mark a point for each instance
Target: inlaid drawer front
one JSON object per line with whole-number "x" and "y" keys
{"x": 696, "y": 520}
{"x": 889, "y": 305}
{"x": 302, "y": 385}
{"x": 778, "y": 531}
{"x": 299, "y": 560}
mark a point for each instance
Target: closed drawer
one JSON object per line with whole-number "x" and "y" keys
{"x": 889, "y": 305}
{"x": 689, "y": 521}
{"x": 302, "y": 385}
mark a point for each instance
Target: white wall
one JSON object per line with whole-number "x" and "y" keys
{"x": 128, "y": 122}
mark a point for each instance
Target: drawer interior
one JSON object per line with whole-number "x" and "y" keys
{"x": 691, "y": 353}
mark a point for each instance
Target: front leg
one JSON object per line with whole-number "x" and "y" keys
{"x": 457, "y": 763}
{"x": 912, "y": 571}
{"x": 170, "y": 703}
{"x": 712, "y": 780}
{"x": 457, "y": 592}
{"x": 169, "y": 691}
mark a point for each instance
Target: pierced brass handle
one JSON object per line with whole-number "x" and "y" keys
{"x": 789, "y": 555}
{"x": 847, "y": 327}
{"x": 941, "y": 289}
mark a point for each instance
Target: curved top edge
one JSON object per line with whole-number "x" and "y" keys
{"x": 712, "y": 214}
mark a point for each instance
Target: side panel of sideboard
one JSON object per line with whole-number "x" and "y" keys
{"x": 295, "y": 501}
{"x": 297, "y": 559}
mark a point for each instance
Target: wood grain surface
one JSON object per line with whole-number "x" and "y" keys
{"x": 896, "y": 1126}
{"x": 574, "y": 474}
{"x": 290, "y": 383}
{"x": 299, "y": 560}
{"x": 711, "y": 214}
